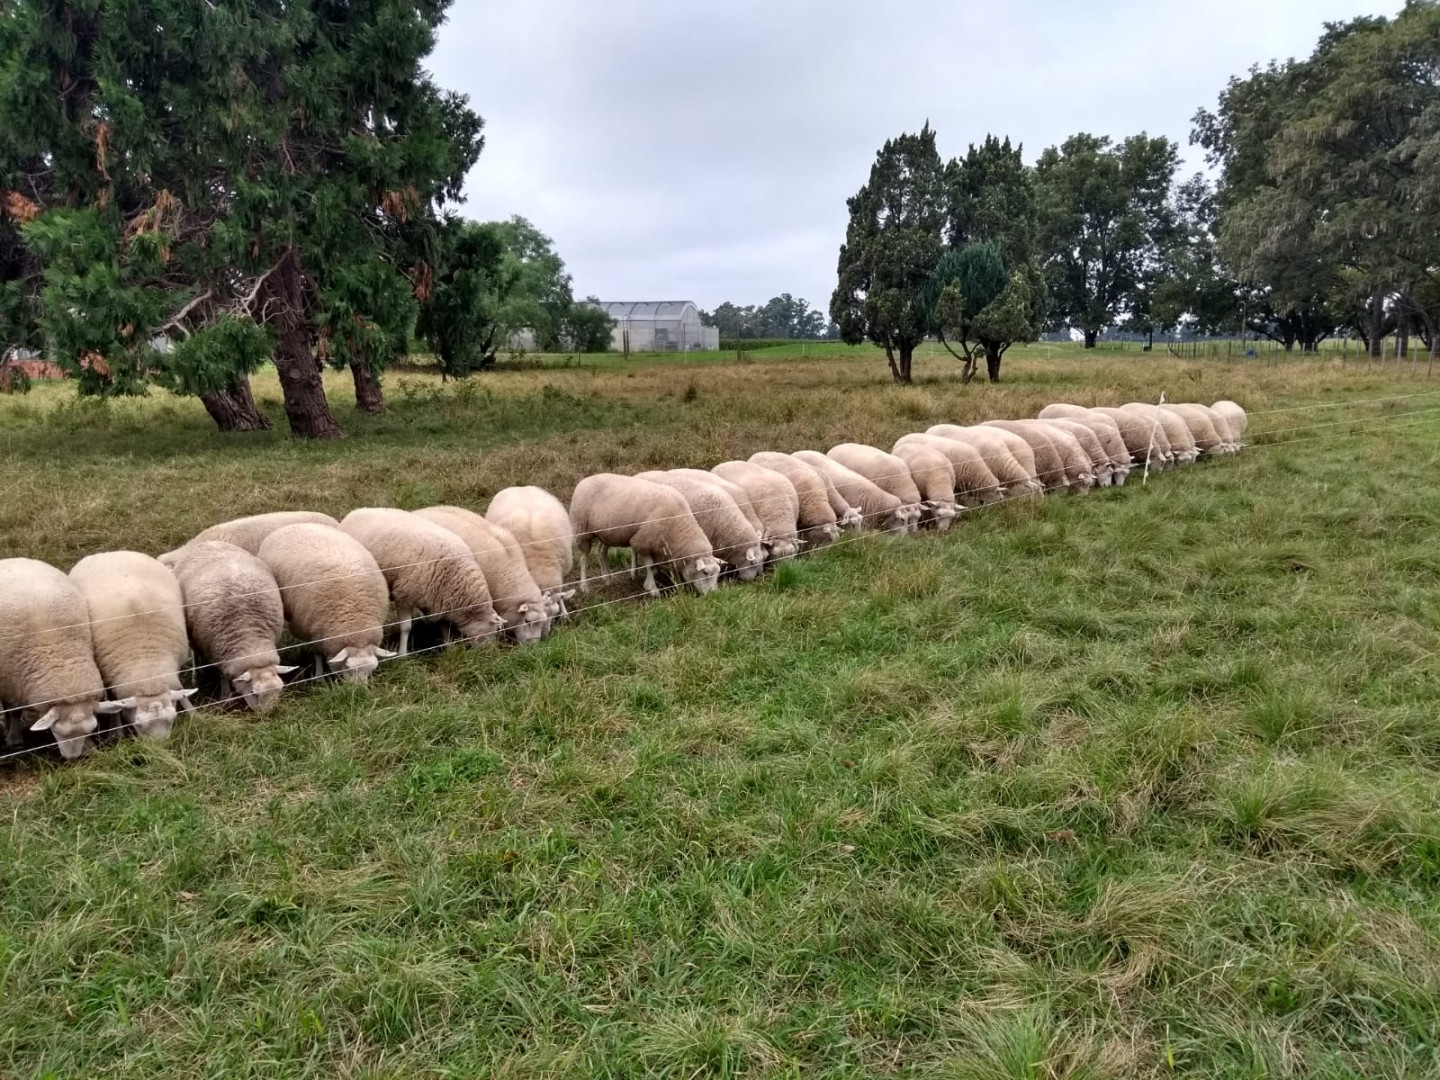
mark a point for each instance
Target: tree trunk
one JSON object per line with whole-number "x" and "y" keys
{"x": 368, "y": 396}
{"x": 890, "y": 359}
{"x": 1090, "y": 336}
{"x": 304, "y": 389}
{"x": 907, "y": 354}
{"x": 992, "y": 364}
{"x": 1375, "y": 321}
{"x": 233, "y": 409}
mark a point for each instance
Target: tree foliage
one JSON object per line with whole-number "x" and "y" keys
{"x": 782, "y": 317}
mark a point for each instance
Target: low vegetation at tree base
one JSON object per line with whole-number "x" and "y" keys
{"x": 1135, "y": 783}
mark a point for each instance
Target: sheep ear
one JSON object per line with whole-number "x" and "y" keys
{"x": 286, "y": 669}
{"x": 182, "y": 698}
{"x": 384, "y": 654}
{"x": 568, "y": 594}
{"x": 244, "y": 676}
{"x": 46, "y": 722}
{"x": 339, "y": 657}
{"x": 110, "y": 708}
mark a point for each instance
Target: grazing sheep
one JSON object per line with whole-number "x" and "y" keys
{"x": 541, "y": 526}
{"x": 878, "y": 508}
{"x": 996, "y": 454}
{"x": 846, "y": 516}
{"x": 1144, "y": 439}
{"x": 250, "y": 532}
{"x": 653, "y": 521}
{"x": 1079, "y": 469}
{"x": 1100, "y": 464}
{"x": 1177, "y": 433}
{"x": 47, "y": 664}
{"x": 732, "y": 538}
{"x": 137, "y": 630}
{"x": 975, "y": 482}
{"x": 1049, "y": 462}
{"x": 235, "y": 617}
{"x": 335, "y": 596}
{"x": 1208, "y": 440}
{"x": 515, "y": 594}
{"x": 1234, "y": 417}
{"x": 885, "y": 471}
{"x": 734, "y": 490}
{"x": 774, "y": 499}
{"x": 818, "y": 522}
{"x": 429, "y": 570}
{"x": 1105, "y": 429}
{"x": 934, "y": 476}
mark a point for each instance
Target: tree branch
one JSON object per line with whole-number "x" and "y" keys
{"x": 176, "y": 322}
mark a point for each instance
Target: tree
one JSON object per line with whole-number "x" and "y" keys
{"x": 248, "y": 168}
{"x": 783, "y": 316}
{"x": 1104, "y": 215}
{"x": 892, "y": 245}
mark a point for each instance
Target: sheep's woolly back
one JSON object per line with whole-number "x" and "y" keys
{"x": 1107, "y": 431}
{"x": 993, "y": 445}
{"x": 877, "y": 506}
{"x": 1049, "y": 462}
{"x": 735, "y": 491}
{"x": 832, "y": 494}
{"x": 541, "y": 526}
{"x": 730, "y": 533}
{"x": 817, "y": 515}
{"x": 509, "y": 580}
{"x": 232, "y": 605}
{"x": 1079, "y": 469}
{"x": 137, "y": 622}
{"x": 1142, "y": 437}
{"x": 931, "y": 470}
{"x": 982, "y": 462}
{"x": 1177, "y": 432}
{"x": 250, "y": 532}
{"x": 427, "y": 567}
{"x": 885, "y": 471}
{"x": 649, "y": 519}
{"x": 1234, "y": 416}
{"x": 1089, "y": 442}
{"x": 332, "y": 588}
{"x": 1202, "y": 429}
{"x": 45, "y": 646}
{"x": 771, "y": 494}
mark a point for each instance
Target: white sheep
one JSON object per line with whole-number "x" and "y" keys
{"x": 137, "y": 631}
{"x": 47, "y": 664}
{"x": 775, "y": 500}
{"x": 1049, "y": 462}
{"x": 1234, "y": 418}
{"x": 336, "y": 599}
{"x": 734, "y": 490}
{"x": 732, "y": 538}
{"x": 1106, "y": 429}
{"x": 878, "y": 508}
{"x": 846, "y": 516}
{"x": 653, "y": 521}
{"x": 975, "y": 482}
{"x": 235, "y": 617}
{"x": 1144, "y": 439}
{"x": 250, "y": 532}
{"x": 818, "y": 522}
{"x": 514, "y": 592}
{"x": 541, "y": 526}
{"x": 1101, "y": 467}
{"x": 934, "y": 477}
{"x": 1079, "y": 469}
{"x": 885, "y": 471}
{"x": 1177, "y": 433}
{"x": 1008, "y": 457}
{"x": 429, "y": 570}
{"x": 1198, "y": 418}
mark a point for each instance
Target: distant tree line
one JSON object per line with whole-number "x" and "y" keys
{"x": 783, "y": 317}
{"x": 1325, "y": 218}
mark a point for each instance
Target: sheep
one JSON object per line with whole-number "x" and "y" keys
{"x": 137, "y": 631}
{"x": 541, "y": 526}
{"x": 1007, "y": 465}
{"x": 335, "y": 596}
{"x": 515, "y": 594}
{"x": 429, "y": 570}
{"x": 734, "y": 490}
{"x": 732, "y": 538}
{"x": 934, "y": 476}
{"x": 1145, "y": 440}
{"x": 1177, "y": 433}
{"x": 1101, "y": 465}
{"x": 846, "y": 516}
{"x": 885, "y": 471}
{"x": 1208, "y": 440}
{"x": 775, "y": 500}
{"x": 1234, "y": 417}
{"x": 250, "y": 532}
{"x": 235, "y": 617}
{"x": 878, "y": 508}
{"x": 1106, "y": 429}
{"x": 975, "y": 482}
{"x": 1049, "y": 463}
{"x": 1079, "y": 468}
{"x": 818, "y": 522}
{"x": 47, "y": 662}
{"x": 653, "y": 521}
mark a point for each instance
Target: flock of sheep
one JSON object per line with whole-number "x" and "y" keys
{"x": 114, "y": 636}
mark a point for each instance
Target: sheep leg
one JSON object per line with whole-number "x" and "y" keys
{"x": 227, "y": 691}
{"x": 584, "y": 558}
{"x": 650, "y": 586}
{"x": 447, "y": 633}
{"x": 407, "y": 619}
{"x": 632, "y": 564}
{"x": 319, "y": 666}
{"x": 14, "y": 731}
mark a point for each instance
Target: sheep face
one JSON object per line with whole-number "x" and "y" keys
{"x": 941, "y": 515}
{"x": 702, "y": 575}
{"x": 260, "y": 687}
{"x": 783, "y": 549}
{"x": 852, "y": 519}
{"x": 153, "y": 717}
{"x": 821, "y": 535}
{"x": 357, "y": 663}
{"x": 73, "y": 723}
{"x": 531, "y": 625}
{"x": 748, "y": 569}
{"x": 483, "y": 630}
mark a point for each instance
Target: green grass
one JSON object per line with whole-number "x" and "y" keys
{"x": 1139, "y": 783}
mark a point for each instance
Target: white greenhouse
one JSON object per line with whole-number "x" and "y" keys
{"x": 660, "y": 326}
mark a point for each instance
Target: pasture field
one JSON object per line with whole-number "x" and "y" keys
{"x": 1139, "y": 783}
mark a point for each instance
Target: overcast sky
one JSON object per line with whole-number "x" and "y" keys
{"x": 704, "y": 149}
